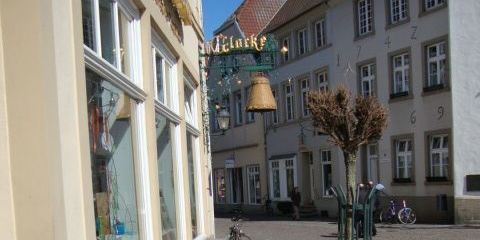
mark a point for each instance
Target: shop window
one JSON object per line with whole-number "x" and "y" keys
{"x": 254, "y": 194}
{"x": 166, "y": 177}
{"x": 112, "y": 159}
{"x": 192, "y": 182}
{"x": 283, "y": 178}
{"x": 220, "y": 187}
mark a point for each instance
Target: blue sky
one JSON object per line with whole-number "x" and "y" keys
{"x": 215, "y": 12}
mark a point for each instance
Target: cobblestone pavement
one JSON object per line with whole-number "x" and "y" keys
{"x": 285, "y": 229}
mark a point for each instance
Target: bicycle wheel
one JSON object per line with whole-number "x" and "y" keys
{"x": 407, "y": 216}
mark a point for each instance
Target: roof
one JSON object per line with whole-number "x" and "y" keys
{"x": 253, "y": 15}
{"x": 289, "y": 11}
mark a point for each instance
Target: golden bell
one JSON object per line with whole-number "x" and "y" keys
{"x": 261, "y": 98}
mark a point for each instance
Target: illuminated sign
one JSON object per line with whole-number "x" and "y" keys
{"x": 223, "y": 44}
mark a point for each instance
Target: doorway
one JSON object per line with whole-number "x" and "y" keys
{"x": 235, "y": 176}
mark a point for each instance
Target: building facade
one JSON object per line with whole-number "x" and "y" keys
{"x": 101, "y": 121}
{"x": 401, "y": 52}
{"x": 238, "y": 155}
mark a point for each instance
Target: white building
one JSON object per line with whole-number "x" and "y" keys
{"x": 416, "y": 57}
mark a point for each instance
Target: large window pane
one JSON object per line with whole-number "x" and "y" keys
{"x": 107, "y": 30}
{"x": 192, "y": 182}
{"x": 166, "y": 178}
{"x": 220, "y": 186}
{"x": 112, "y": 162}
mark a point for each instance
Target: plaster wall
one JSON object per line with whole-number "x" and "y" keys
{"x": 7, "y": 219}
{"x": 466, "y": 103}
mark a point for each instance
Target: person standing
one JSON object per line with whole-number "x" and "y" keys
{"x": 296, "y": 198}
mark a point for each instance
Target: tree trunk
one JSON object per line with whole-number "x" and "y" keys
{"x": 351, "y": 183}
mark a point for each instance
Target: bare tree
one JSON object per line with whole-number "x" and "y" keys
{"x": 349, "y": 123}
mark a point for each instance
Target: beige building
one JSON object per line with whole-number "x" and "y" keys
{"x": 401, "y": 51}
{"x": 101, "y": 132}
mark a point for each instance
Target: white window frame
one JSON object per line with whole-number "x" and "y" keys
{"x": 437, "y": 59}
{"x": 364, "y": 27}
{"x": 325, "y": 162}
{"x": 282, "y": 168}
{"x": 321, "y": 85}
{"x": 238, "y": 107}
{"x": 398, "y": 11}
{"x": 289, "y": 98}
{"x": 442, "y": 151}
{"x": 407, "y": 158}
{"x": 191, "y": 109}
{"x": 368, "y": 79}
{"x": 304, "y": 88}
{"x": 302, "y": 49}
{"x": 274, "y": 113}
{"x": 404, "y": 69}
{"x": 320, "y": 33}
{"x": 436, "y": 4}
{"x": 170, "y": 84}
{"x": 255, "y": 171}
{"x": 133, "y": 16}
{"x": 372, "y": 159}
{"x": 286, "y": 43}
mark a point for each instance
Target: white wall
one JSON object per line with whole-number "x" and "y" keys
{"x": 465, "y": 71}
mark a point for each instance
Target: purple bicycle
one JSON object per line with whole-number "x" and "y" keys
{"x": 398, "y": 212}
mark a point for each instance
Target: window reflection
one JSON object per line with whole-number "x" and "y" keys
{"x": 112, "y": 162}
{"x": 166, "y": 177}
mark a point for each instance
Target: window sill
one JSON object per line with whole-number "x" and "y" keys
{"x": 431, "y": 90}
{"x": 397, "y": 97}
{"x": 393, "y": 25}
{"x": 402, "y": 182}
{"x": 437, "y": 181}
{"x": 360, "y": 37}
{"x": 428, "y": 12}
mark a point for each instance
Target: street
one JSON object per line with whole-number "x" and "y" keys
{"x": 285, "y": 229}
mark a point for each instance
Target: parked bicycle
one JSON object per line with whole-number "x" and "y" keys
{"x": 398, "y": 212}
{"x": 236, "y": 232}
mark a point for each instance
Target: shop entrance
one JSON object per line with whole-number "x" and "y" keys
{"x": 235, "y": 176}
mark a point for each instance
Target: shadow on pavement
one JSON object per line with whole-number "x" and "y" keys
{"x": 267, "y": 217}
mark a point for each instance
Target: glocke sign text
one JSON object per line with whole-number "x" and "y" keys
{"x": 223, "y": 44}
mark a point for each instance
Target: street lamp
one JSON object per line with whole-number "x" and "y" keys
{"x": 223, "y": 119}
